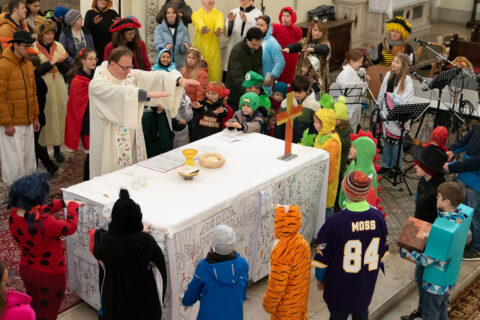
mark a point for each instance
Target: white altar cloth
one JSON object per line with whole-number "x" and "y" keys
{"x": 239, "y": 194}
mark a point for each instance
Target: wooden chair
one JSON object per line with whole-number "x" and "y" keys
{"x": 467, "y": 49}
{"x": 425, "y": 54}
{"x": 447, "y": 39}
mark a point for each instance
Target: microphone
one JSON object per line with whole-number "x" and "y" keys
{"x": 362, "y": 73}
{"x": 422, "y": 42}
{"x": 425, "y": 83}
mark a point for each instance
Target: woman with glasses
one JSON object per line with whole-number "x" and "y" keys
{"x": 52, "y": 68}
{"x": 125, "y": 34}
{"x": 77, "y": 125}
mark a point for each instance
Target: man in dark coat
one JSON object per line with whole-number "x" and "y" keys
{"x": 127, "y": 283}
{"x": 245, "y": 56}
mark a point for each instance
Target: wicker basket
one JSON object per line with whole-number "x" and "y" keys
{"x": 211, "y": 160}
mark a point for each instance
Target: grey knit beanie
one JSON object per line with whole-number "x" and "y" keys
{"x": 72, "y": 16}
{"x": 223, "y": 239}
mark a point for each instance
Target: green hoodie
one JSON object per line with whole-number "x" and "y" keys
{"x": 366, "y": 151}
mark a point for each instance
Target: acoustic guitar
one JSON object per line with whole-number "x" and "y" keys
{"x": 378, "y": 72}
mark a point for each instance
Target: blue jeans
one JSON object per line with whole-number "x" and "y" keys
{"x": 338, "y": 315}
{"x": 329, "y": 212}
{"x": 390, "y": 152}
{"x": 435, "y": 306}
{"x": 418, "y": 280}
{"x": 472, "y": 199}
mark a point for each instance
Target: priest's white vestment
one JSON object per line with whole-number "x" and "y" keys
{"x": 116, "y": 135}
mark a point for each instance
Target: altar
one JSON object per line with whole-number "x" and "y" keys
{"x": 239, "y": 194}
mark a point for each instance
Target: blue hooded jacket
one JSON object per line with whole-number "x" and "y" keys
{"x": 221, "y": 288}
{"x": 163, "y": 36}
{"x": 469, "y": 167}
{"x": 158, "y": 67}
{"x": 272, "y": 58}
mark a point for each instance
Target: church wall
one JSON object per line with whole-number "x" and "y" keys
{"x": 456, "y": 11}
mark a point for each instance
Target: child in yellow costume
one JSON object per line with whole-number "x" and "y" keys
{"x": 209, "y": 24}
{"x": 327, "y": 139}
{"x": 289, "y": 280}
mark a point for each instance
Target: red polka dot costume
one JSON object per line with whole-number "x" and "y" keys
{"x": 42, "y": 262}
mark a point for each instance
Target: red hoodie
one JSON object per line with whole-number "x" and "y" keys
{"x": 285, "y": 36}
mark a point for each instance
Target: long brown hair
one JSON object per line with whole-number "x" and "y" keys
{"x": 322, "y": 27}
{"x": 118, "y": 39}
{"x": 78, "y": 62}
{"x": 400, "y": 80}
{"x": 3, "y": 298}
{"x": 197, "y": 67}
{"x": 175, "y": 9}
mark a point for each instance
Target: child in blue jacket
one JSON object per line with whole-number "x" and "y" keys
{"x": 220, "y": 280}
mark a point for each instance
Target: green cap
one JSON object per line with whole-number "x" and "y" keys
{"x": 341, "y": 108}
{"x": 252, "y": 79}
{"x": 250, "y": 99}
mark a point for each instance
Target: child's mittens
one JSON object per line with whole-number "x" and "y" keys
{"x": 307, "y": 139}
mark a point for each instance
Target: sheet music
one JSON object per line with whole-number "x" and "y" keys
{"x": 165, "y": 161}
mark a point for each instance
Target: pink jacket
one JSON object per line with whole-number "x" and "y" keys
{"x": 18, "y": 307}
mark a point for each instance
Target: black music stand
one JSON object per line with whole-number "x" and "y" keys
{"x": 439, "y": 82}
{"x": 402, "y": 114}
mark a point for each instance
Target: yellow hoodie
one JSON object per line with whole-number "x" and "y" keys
{"x": 330, "y": 143}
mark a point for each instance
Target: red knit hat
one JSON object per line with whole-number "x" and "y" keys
{"x": 439, "y": 136}
{"x": 218, "y": 88}
{"x": 125, "y": 23}
{"x": 356, "y": 186}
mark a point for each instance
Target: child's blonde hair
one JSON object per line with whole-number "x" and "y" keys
{"x": 198, "y": 65}
{"x": 400, "y": 80}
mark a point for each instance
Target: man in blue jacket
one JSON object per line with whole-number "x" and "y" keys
{"x": 468, "y": 170}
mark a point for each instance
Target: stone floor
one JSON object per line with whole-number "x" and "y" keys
{"x": 395, "y": 293}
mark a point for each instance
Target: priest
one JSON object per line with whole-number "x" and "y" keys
{"x": 118, "y": 96}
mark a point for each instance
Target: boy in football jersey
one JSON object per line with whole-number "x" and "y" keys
{"x": 351, "y": 246}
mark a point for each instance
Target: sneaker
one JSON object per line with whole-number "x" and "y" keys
{"x": 383, "y": 170}
{"x": 470, "y": 255}
{"x": 59, "y": 156}
{"x": 412, "y": 316}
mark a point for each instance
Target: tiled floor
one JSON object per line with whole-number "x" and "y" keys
{"x": 398, "y": 206}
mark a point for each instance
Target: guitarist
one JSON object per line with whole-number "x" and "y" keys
{"x": 399, "y": 29}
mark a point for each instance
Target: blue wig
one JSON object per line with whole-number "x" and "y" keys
{"x": 28, "y": 192}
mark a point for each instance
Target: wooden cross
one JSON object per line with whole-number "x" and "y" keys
{"x": 287, "y": 118}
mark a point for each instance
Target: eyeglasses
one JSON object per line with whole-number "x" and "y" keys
{"x": 124, "y": 68}
{"x": 131, "y": 33}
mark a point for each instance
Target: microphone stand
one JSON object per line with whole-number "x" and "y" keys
{"x": 440, "y": 101}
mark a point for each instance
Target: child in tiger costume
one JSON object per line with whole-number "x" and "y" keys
{"x": 289, "y": 280}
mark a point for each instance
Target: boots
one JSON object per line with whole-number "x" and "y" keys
{"x": 58, "y": 155}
